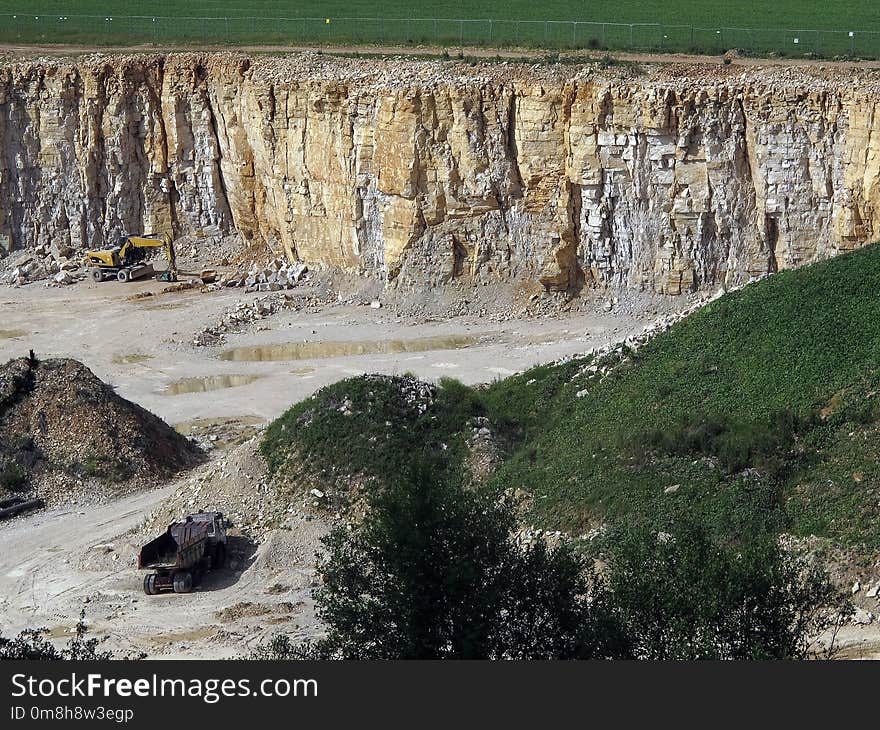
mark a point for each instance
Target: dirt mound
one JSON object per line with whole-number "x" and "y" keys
{"x": 236, "y": 485}
{"x": 65, "y": 434}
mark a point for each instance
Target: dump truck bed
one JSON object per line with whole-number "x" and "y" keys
{"x": 180, "y": 547}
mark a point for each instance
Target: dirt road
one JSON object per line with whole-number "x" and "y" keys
{"x": 55, "y": 563}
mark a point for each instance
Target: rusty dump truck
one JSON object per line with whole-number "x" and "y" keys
{"x": 180, "y": 556}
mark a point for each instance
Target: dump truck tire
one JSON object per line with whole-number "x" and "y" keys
{"x": 97, "y": 275}
{"x": 150, "y": 584}
{"x": 183, "y": 582}
{"x": 122, "y": 275}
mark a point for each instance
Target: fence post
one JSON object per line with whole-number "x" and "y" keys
{"x": 692, "y": 37}
{"x": 490, "y": 31}
{"x": 546, "y": 28}
{"x": 461, "y": 34}
{"x": 631, "y": 42}
{"x": 436, "y": 34}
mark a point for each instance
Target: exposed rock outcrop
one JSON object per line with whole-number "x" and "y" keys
{"x": 423, "y": 172}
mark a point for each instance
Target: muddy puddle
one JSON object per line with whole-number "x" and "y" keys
{"x": 132, "y": 358}
{"x": 325, "y": 350}
{"x": 209, "y": 382}
{"x": 169, "y": 305}
{"x": 9, "y": 334}
{"x": 302, "y": 371}
{"x": 175, "y": 637}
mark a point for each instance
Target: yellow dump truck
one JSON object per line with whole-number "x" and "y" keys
{"x": 127, "y": 259}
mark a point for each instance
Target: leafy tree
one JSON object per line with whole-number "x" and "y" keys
{"x": 435, "y": 572}
{"x": 684, "y": 595}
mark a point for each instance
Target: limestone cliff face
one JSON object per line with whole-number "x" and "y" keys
{"x": 670, "y": 180}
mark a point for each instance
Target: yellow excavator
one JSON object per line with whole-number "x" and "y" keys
{"x": 127, "y": 259}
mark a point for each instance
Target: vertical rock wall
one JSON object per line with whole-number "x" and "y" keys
{"x": 670, "y": 180}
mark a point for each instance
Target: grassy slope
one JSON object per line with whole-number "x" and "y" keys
{"x": 759, "y": 411}
{"x": 774, "y": 354}
{"x": 369, "y": 427}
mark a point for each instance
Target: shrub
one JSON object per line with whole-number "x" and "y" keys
{"x": 12, "y": 477}
{"x": 280, "y": 647}
{"x": 32, "y": 644}
{"x": 684, "y": 595}
{"x": 433, "y": 573}
{"x": 736, "y": 444}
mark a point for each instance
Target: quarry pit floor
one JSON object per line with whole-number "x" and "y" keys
{"x": 143, "y": 347}
{"x": 52, "y": 563}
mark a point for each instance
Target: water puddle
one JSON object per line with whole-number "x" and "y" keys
{"x": 132, "y": 358}
{"x": 9, "y": 334}
{"x": 209, "y": 382}
{"x": 323, "y": 350}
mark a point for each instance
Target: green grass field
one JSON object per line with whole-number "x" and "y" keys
{"x": 759, "y": 412}
{"x": 716, "y": 26}
{"x": 736, "y": 13}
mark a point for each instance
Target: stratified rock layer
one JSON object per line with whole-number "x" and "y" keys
{"x": 668, "y": 180}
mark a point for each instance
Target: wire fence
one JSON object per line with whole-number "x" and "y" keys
{"x": 27, "y": 28}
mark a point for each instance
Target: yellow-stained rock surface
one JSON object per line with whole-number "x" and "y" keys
{"x": 664, "y": 179}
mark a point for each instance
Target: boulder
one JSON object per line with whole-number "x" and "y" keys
{"x": 862, "y": 617}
